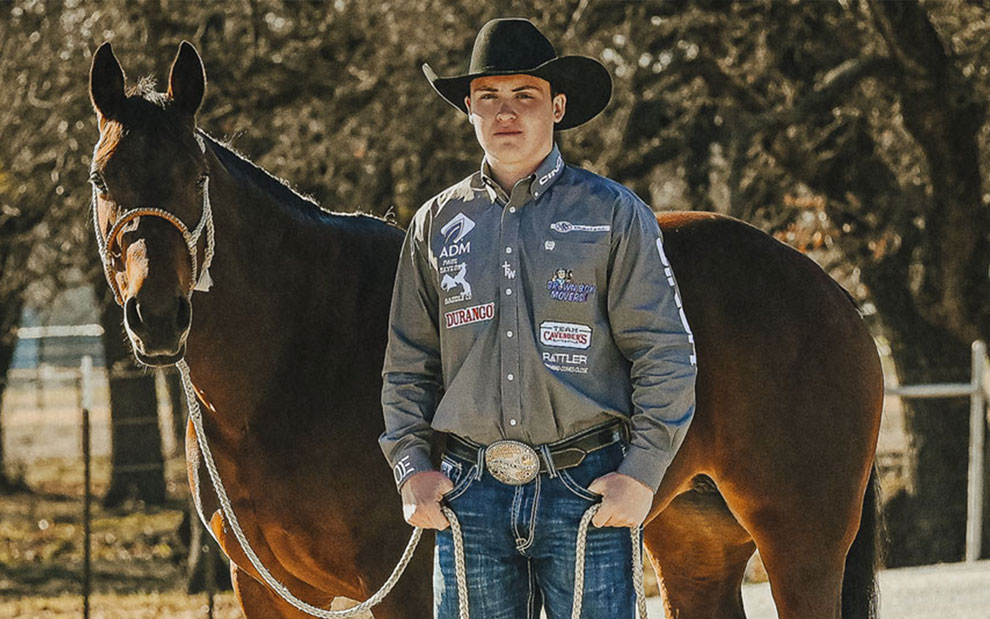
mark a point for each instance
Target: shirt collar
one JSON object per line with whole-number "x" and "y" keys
{"x": 539, "y": 181}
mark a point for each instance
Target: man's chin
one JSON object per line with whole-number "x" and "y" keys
{"x": 161, "y": 360}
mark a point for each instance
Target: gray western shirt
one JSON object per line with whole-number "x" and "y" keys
{"x": 533, "y": 316}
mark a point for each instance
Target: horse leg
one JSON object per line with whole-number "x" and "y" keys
{"x": 700, "y": 553}
{"x": 803, "y": 535}
{"x": 806, "y": 580}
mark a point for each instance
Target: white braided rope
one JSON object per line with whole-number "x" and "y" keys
{"x": 637, "y": 566}
{"x": 228, "y": 512}
{"x": 582, "y": 536}
{"x": 459, "y": 568}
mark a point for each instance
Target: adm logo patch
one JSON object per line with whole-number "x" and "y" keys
{"x": 565, "y": 335}
{"x": 469, "y": 315}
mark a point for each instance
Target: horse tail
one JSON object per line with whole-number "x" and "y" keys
{"x": 859, "y": 585}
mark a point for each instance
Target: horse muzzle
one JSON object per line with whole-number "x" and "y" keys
{"x": 158, "y": 333}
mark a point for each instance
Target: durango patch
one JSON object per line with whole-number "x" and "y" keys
{"x": 469, "y": 315}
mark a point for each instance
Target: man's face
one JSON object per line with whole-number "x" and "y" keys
{"x": 513, "y": 118}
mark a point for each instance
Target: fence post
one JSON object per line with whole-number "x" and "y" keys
{"x": 86, "y": 388}
{"x": 977, "y": 432}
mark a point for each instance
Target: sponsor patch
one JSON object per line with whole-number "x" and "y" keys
{"x": 469, "y": 315}
{"x": 549, "y": 245}
{"x": 566, "y": 362}
{"x": 453, "y": 233}
{"x": 458, "y": 280}
{"x": 565, "y": 226}
{"x": 563, "y": 288}
{"x": 565, "y": 334}
{"x": 457, "y": 228}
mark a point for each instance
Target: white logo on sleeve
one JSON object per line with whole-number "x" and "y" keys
{"x": 402, "y": 469}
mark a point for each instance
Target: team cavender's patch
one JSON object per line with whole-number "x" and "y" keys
{"x": 468, "y": 315}
{"x": 565, "y": 334}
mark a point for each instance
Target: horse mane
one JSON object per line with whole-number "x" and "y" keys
{"x": 293, "y": 203}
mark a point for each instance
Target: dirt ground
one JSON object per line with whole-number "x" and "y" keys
{"x": 947, "y": 591}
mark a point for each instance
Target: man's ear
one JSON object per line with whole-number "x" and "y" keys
{"x": 559, "y": 107}
{"x": 467, "y": 104}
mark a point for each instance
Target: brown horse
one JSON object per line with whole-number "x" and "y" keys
{"x": 286, "y": 348}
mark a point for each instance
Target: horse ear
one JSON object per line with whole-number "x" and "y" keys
{"x": 106, "y": 83}
{"x": 187, "y": 80}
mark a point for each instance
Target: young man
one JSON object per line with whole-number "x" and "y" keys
{"x": 536, "y": 320}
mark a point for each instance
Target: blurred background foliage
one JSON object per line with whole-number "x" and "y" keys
{"x": 854, "y": 130}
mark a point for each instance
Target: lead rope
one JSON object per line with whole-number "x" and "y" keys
{"x": 196, "y": 415}
{"x": 228, "y": 511}
{"x": 582, "y": 536}
{"x": 637, "y": 565}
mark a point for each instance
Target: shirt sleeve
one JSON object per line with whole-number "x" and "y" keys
{"x": 412, "y": 374}
{"x": 650, "y": 329}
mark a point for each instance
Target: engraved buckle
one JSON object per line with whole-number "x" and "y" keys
{"x": 512, "y": 462}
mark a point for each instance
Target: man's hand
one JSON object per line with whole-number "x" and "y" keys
{"x": 421, "y": 496}
{"x": 625, "y": 501}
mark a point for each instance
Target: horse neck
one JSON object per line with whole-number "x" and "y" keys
{"x": 269, "y": 307}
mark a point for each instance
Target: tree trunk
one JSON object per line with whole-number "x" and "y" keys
{"x": 8, "y": 341}
{"x": 928, "y": 526}
{"x": 137, "y": 468}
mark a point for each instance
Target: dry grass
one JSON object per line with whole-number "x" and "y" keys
{"x": 119, "y": 606}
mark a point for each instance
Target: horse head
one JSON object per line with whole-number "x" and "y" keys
{"x": 151, "y": 200}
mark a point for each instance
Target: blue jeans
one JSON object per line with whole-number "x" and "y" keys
{"x": 519, "y": 545}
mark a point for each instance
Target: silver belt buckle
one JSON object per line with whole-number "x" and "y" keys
{"x": 512, "y": 462}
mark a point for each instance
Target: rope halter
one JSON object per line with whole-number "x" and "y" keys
{"x": 201, "y": 280}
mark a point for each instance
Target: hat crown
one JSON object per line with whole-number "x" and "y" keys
{"x": 508, "y": 45}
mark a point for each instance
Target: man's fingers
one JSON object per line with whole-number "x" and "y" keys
{"x": 597, "y": 486}
{"x": 443, "y": 488}
{"x": 602, "y": 516}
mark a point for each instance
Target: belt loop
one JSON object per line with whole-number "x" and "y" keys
{"x": 480, "y": 464}
{"x": 548, "y": 459}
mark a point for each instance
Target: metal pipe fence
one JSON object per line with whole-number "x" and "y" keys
{"x": 978, "y": 392}
{"x": 84, "y": 382}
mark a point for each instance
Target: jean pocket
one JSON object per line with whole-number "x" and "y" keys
{"x": 460, "y": 474}
{"x": 577, "y": 489}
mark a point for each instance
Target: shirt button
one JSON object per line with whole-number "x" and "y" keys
{"x": 512, "y": 422}
{"x": 508, "y": 250}
{"x": 510, "y": 377}
{"x": 508, "y": 334}
{"x": 508, "y": 292}
{"x": 512, "y": 209}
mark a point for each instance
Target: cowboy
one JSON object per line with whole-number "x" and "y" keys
{"x": 563, "y": 374}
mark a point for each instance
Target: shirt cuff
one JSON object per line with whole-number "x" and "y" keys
{"x": 645, "y": 466}
{"x": 407, "y": 464}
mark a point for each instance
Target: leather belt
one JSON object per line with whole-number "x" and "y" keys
{"x": 564, "y": 454}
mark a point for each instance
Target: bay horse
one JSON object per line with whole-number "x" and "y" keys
{"x": 285, "y": 351}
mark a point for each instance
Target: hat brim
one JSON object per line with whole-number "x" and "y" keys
{"x": 585, "y": 81}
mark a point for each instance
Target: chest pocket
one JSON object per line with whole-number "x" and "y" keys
{"x": 575, "y": 268}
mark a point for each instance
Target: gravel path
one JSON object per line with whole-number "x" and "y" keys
{"x": 946, "y": 591}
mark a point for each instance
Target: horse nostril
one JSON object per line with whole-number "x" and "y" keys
{"x": 132, "y": 315}
{"x": 183, "y": 314}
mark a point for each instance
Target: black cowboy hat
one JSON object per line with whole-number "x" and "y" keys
{"x": 516, "y": 47}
